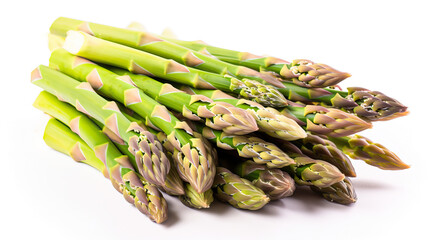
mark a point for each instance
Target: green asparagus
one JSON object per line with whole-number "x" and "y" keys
{"x": 275, "y": 183}
{"x": 375, "y": 154}
{"x": 366, "y": 104}
{"x": 320, "y": 147}
{"x": 269, "y": 120}
{"x": 342, "y": 192}
{"x": 260, "y": 151}
{"x": 156, "y": 45}
{"x": 145, "y": 109}
{"x": 217, "y": 115}
{"x": 193, "y": 199}
{"x": 300, "y": 71}
{"x": 173, "y": 184}
{"x": 238, "y": 192}
{"x": 136, "y": 61}
{"x": 326, "y": 121}
{"x": 312, "y": 172}
{"x": 190, "y": 155}
{"x": 144, "y": 196}
{"x": 146, "y": 148}
{"x": 309, "y": 171}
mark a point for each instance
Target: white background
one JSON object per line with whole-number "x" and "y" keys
{"x": 46, "y": 195}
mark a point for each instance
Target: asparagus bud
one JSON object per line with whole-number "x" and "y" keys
{"x": 375, "y": 154}
{"x": 238, "y": 192}
{"x": 274, "y": 182}
{"x": 327, "y": 121}
{"x": 193, "y": 199}
{"x": 308, "y": 74}
{"x": 342, "y": 192}
{"x": 320, "y": 147}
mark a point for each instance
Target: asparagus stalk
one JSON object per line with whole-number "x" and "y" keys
{"x": 371, "y": 105}
{"x": 173, "y": 184}
{"x": 84, "y": 127}
{"x": 326, "y": 121}
{"x": 317, "y": 119}
{"x": 144, "y": 196}
{"x": 275, "y": 183}
{"x": 342, "y": 192}
{"x": 366, "y": 104}
{"x": 193, "y": 199}
{"x": 55, "y": 41}
{"x": 320, "y": 147}
{"x": 375, "y": 154}
{"x": 76, "y": 120}
{"x": 137, "y": 61}
{"x": 301, "y": 72}
{"x": 81, "y": 125}
{"x": 146, "y": 148}
{"x": 62, "y": 139}
{"x": 217, "y": 115}
{"x": 190, "y": 154}
{"x": 238, "y": 192}
{"x": 269, "y": 120}
{"x": 156, "y": 45}
{"x": 257, "y": 149}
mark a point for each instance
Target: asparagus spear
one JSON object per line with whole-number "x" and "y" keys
{"x": 320, "y": 147}
{"x": 318, "y": 119}
{"x": 156, "y": 45}
{"x": 257, "y": 149}
{"x": 269, "y": 120}
{"x": 342, "y": 192}
{"x": 309, "y": 171}
{"x": 187, "y": 195}
{"x": 146, "y": 148}
{"x": 275, "y": 183}
{"x": 238, "y": 192}
{"x": 326, "y": 121}
{"x": 217, "y": 115}
{"x": 190, "y": 155}
{"x": 193, "y": 199}
{"x": 366, "y": 104}
{"x": 74, "y": 119}
{"x": 144, "y": 196}
{"x": 300, "y": 71}
{"x": 375, "y": 154}
{"x": 312, "y": 172}
{"x": 163, "y": 138}
{"x": 372, "y": 105}
{"x": 173, "y": 184}
{"x": 137, "y": 61}
{"x": 151, "y": 171}
{"x": 62, "y": 139}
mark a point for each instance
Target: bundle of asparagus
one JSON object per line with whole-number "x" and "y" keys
{"x": 201, "y": 122}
